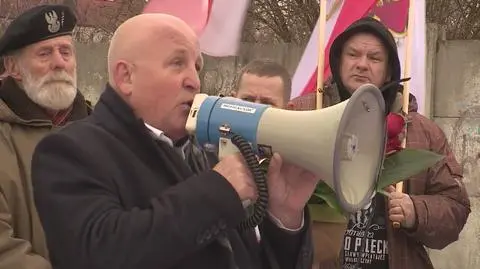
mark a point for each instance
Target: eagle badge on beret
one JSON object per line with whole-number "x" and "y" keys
{"x": 52, "y": 20}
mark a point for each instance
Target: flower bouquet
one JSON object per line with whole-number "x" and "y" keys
{"x": 329, "y": 222}
{"x": 399, "y": 164}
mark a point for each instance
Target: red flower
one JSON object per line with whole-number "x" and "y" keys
{"x": 395, "y": 126}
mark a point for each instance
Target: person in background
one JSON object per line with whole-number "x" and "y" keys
{"x": 434, "y": 206}
{"x": 261, "y": 81}
{"x": 38, "y": 94}
{"x": 264, "y": 81}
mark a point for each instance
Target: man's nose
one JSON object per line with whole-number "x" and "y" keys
{"x": 58, "y": 61}
{"x": 192, "y": 83}
{"x": 362, "y": 62}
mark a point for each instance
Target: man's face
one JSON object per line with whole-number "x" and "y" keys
{"x": 364, "y": 59}
{"x": 165, "y": 81}
{"x": 263, "y": 90}
{"x": 47, "y": 72}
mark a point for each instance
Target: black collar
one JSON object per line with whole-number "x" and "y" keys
{"x": 118, "y": 118}
{"x": 125, "y": 113}
{"x": 117, "y": 108}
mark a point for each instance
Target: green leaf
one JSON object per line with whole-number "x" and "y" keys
{"x": 325, "y": 213}
{"x": 404, "y": 164}
{"x": 381, "y": 191}
{"x": 397, "y": 167}
{"x": 325, "y": 193}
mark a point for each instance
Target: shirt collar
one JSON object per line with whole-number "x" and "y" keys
{"x": 160, "y": 135}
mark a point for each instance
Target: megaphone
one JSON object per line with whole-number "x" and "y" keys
{"x": 342, "y": 144}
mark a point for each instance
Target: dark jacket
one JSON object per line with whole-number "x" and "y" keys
{"x": 111, "y": 196}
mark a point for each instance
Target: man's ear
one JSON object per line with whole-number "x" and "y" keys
{"x": 123, "y": 78}
{"x": 233, "y": 93}
{"x": 11, "y": 67}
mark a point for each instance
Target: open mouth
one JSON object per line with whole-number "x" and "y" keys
{"x": 189, "y": 104}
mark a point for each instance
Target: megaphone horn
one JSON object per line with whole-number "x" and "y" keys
{"x": 342, "y": 144}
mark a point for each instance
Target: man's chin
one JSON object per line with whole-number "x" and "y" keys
{"x": 354, "y": 86}
{"x": 57, "y": 101}
{"x": 178, "y": 134}
{"x": 60, "y": 105}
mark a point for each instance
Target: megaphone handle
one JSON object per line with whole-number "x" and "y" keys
{"x": 226, "y": 147}
{"x": 237, "y": 143}
{"x": 398, "y": 188}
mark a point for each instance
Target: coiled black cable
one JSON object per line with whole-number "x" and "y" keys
{"x": 259, "y": 176}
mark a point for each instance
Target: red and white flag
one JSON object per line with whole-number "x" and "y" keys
{"x": 218, "y": 23}
{"x": 394, "y": 14}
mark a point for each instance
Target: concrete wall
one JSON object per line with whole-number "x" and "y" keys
{"x": 456, "y": 108}
{"x": 453, "y": 84}
{"x": 92, "y": 69}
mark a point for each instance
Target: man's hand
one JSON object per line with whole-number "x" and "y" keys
{"x": 400, "y": 208}
{"x": 235, "y": 170}
{"x": 290, "y": 188}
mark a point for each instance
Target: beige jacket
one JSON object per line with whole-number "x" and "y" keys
{"x": 22, "y": 126}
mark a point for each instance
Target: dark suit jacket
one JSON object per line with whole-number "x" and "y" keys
{"x": 110, "y": 196}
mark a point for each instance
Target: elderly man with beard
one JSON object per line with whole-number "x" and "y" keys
{"x": 37, "y": 95}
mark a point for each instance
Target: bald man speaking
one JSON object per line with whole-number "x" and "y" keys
{"x": 114, "y": 191}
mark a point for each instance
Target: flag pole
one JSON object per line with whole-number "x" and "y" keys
{"x": 322, "y": 21}
{"x": 406, "y": 87}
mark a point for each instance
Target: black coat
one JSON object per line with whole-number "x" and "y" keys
{"x": 111, "y": 196}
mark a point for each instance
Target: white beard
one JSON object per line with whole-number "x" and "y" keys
{"x": 56, "y": 90}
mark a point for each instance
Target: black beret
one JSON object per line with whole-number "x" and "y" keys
{"x": 36, "y": 24}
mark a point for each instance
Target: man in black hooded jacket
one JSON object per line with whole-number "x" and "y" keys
{"x": 434, "y": 206}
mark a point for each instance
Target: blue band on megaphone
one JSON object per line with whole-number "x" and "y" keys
{"x": 240, "y": 116}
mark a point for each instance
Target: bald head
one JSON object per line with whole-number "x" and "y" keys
{"x": 153, "y": 64}
{"x": 139, "y": 35}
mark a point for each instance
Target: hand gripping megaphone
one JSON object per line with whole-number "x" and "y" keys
{"x": 342, "y": 144}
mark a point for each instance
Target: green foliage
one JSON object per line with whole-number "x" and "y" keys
{"x": 406, "y": 163}
{"x": 397, "y": 167}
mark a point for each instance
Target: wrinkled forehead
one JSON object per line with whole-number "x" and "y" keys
{"x": 366, "y": 42}
{"x": 56, "y": 42}
{"x": 249, "y": 80}
{"x": 261, "y": 86}
{"x": 184, "y": 40}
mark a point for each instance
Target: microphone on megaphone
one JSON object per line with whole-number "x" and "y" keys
{"x": 343, "y": 144}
